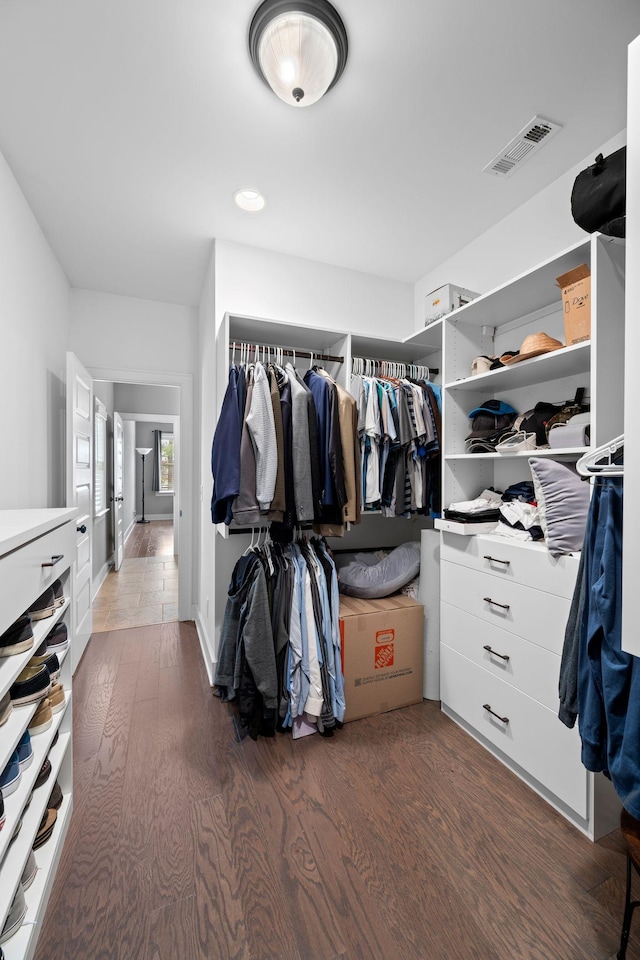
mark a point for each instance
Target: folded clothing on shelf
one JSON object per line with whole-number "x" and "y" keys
{"x": 482, "y": 509}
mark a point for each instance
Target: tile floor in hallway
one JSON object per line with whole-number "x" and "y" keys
{"x": 145, "y": 589}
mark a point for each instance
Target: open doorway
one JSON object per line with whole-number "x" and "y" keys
{"x": 137, "y": 552}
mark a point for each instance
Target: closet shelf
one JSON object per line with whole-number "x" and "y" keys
{"x": 553, "y": 453}
{"x": 530, "y": 291}
{"x": 568, "y": 362}
{"x": 403, "y": 351}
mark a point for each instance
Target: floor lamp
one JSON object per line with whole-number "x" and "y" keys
{"x": 143, "y": 451}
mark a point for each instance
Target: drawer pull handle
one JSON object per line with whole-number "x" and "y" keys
{"x": 494, "y": 653}
{"x": 496, "y": 560}
{"x": 56, "y": 558}
{"x": 487, "y": 707}
{"x": 82, "y": 529}
{"x": 494, "y": 603}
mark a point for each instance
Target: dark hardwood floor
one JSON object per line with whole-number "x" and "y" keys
{"x": 153, "y": 539}
{"x": 397, "y": 839}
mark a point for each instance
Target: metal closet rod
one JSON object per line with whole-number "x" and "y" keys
{"x": 286, "y": 351}
{"x": 397, "y": 363}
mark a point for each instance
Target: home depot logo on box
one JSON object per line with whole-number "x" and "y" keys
{"x": 384, "y": 648}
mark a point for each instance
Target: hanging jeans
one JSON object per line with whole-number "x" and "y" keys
{"x": 609, "y": 679}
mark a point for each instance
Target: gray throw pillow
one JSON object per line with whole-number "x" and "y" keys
{"x": 563, "y": 504}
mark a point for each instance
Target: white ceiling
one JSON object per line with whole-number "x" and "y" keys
{"x": 129, "y": 124}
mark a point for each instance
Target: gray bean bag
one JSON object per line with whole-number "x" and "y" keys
{"x": 364, "y": 575}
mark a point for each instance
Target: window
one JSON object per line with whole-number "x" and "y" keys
{"x": 100, "y": 459}
{"x": 165, "y": 467}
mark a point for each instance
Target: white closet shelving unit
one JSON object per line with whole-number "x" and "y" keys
{"x": 36, "y": 548}
{"x": 504, "y": 604}
{"x": 373, "y": 529}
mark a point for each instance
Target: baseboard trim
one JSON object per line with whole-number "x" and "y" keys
{"x": 129, "y": 531}
{"x": 154, "y": 516}
{"x": 97, "y": 582}
{"x": 205, "y": 646}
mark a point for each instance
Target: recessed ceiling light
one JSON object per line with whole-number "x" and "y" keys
{"x": 249, "y": 199}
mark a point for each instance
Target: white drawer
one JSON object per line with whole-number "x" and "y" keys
{"x": 23, "y": 576}
{"x": 528, "y": 667}
{"x": 536, "y": 616}
{"x": 530, "y": 735}
{"x": 526, "y": 563}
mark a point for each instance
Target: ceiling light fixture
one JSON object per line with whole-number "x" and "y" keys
{"x": 249, "y": 199}
{"x": 298, "y": 48}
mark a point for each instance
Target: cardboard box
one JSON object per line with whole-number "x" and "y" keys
{"x": 382, "y": 654}
{"x": 576, "y": 304}
{"x": 445, "y": 299}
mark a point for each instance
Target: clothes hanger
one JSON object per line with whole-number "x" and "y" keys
{"x": 250, "y": 547}
{"x": 605, "y": 460}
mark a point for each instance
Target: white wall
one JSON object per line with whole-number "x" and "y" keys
{"x": 260, "y": 283}
{"x": 206, "y": 419}
{"x": 146, "y": 398}
{"x": 123, "y": 332}
{"x": 34, "y": 322}
{"x": 534, "y": 232}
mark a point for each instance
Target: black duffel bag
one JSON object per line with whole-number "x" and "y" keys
{"x": 598, "y": 198}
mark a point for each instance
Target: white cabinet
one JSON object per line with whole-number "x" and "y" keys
{"x": 504, "y": 604}
{"x": 37, "y": 547}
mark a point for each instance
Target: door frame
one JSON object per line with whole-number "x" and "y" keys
{"x": 184, "y": 504}
{"x": 117, "y": 460}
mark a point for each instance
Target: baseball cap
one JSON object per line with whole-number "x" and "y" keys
{"x": 495, "y": 407}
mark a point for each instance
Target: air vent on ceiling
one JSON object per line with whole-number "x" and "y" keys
{"x": 528, "y": 141}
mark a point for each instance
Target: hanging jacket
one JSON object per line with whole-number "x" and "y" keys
{"x": 263, "y": 436}
{"x": 225, "y": 454}
{"x": 301, "y": 454}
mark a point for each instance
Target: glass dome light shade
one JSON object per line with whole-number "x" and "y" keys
{"x": 299, "y": 48}
{"x": 298, "y": 57}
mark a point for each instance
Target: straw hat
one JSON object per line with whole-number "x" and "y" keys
{"x": 534, "y": 345}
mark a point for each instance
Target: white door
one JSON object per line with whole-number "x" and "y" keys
{"x": 118, "y": 490}
{"x": 80, "y": 495}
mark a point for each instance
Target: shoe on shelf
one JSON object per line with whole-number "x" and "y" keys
{"x": 45, "y": 773}
{"x": 24, "y": 750}
{"x": 16, "y": 915}
{"x": 56, "y": 698}
{"x": 10, "y": 776}
{"x": 6, "y": 708}
{"x": 29, "y": 872}
{"x": 45, "y": 829}
{"x": 51, "y": 662}
{"x": 32, "y": 684}
{"x": 55, "y": 800}
{"x": 58, "y": 639}
{"x": 58, "y": 593}
{"x": 42, "y": 718}
{"x": 3, "y": 816}
{"x": 44, "y": 606}
{"x": 18, "y": 638}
